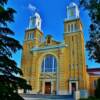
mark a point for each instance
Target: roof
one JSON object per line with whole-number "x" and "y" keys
{"x": 94, "y": 71}
{"x": 94, "y": 74}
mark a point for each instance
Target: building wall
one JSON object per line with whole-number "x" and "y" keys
{"x": 93, "y": 82}
{"x": 70, "y": 62}
{"x": 71, "y": 66}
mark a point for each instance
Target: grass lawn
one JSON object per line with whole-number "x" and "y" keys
{"x": 91, "y": 98}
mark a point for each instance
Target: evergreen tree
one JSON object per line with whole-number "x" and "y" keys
{"x": 93, "y": 45}
{"x": 9, "y": 82}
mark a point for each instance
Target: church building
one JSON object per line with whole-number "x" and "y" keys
{"x": 53, "y": 67}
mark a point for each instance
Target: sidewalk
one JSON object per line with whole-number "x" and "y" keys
{"x": 46, "y": 97}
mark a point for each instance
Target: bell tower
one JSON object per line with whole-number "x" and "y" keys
{"x": 73, "y": 37}
{"x": 33, "y": 38}
{"x": 33, "y": 33}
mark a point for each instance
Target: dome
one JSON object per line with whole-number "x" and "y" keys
{"x": 72, "y": 4}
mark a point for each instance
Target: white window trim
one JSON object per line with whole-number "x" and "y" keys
{"x": 52, "y": 68}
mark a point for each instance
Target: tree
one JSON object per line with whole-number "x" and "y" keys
{"x": 9, "y": 82}
{"x": 97, "y": 91}
{"x": 93, "y": 45}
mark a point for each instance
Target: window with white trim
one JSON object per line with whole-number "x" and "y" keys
{"x": 68, "y": 27}
{"x": 49, "y": 64}
{"x": 71, "y": 27}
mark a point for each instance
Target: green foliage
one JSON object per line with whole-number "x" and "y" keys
{"x": 9, "y": 82}
{"x": 93, "y": 45}
{"x": 97, "y": 91}
{"x": 2, "y": 2}
{"x": 13, "y": 96}
{"x": 90, "y": 98}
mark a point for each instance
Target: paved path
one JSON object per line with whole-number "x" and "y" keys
{"x": 46, "y": 97}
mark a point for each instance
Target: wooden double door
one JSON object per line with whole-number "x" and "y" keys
{"x": 47, "y": 87}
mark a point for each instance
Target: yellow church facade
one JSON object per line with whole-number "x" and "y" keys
{"x": 53, "y": 67}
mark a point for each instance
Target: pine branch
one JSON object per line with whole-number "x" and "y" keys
{"x": 6, "y": 15}
{"x": 6, "y": 31}
{"x": 2, "y": 2}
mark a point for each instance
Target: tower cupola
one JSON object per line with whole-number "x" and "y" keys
{"x": 35, "y": 21}
{"x": 72, "y": 23}
{"x": 72, "y": 11}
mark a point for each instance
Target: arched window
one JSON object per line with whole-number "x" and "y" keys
{"x": 32, "y": 36}
{"x": 68, "y": 27}
{"x": 28, "y": 36}
{"x": 71, "y": 27}
{"x": 76, "y": 27}
{"x": 49, "y": 64}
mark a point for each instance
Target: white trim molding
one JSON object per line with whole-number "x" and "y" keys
{"x": 49, "y": 47}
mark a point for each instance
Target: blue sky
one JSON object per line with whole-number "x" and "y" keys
{"x": 53, "y": 13}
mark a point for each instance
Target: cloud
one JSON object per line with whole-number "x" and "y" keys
{"x": 31, "y": 7}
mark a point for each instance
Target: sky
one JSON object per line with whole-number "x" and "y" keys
{"x": 53, "y": 13}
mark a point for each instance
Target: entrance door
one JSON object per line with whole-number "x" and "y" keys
{"x": 47, "y": 87}
{"x": 73, "y": 86}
